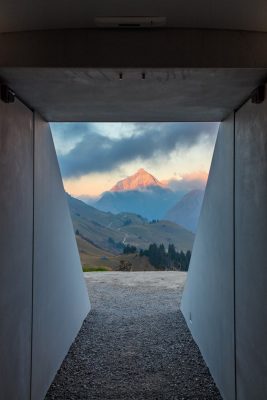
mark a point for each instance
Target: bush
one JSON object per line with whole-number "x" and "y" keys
{"x": 86, "y": 268}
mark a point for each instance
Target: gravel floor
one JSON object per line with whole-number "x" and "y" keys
{"x": 134, "y": 344}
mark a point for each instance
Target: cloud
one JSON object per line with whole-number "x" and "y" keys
{"x": 188, "y": 181}
{"x": 90, "y": 151}
{"x": 67, "y": 135}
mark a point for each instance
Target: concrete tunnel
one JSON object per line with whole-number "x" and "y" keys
{"x": 203, "y": 61}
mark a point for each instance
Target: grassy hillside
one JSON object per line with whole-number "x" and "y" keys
{"x": 165, "y": 232}
{"x": 81, "y": 210}
{"x": 101, "y": 236}
{"x": 107, "y": 230}
{"x": 94, "y": 257}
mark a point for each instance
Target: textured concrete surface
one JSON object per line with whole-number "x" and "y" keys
{"x": 16, "y": 219}
{"x": 208, "y": 300}
{"x": 134, "y": 344}
{"x": 41, "y": 309}
{"x": 251, "y": 251}
{"x": 190, "y": 74}
{"x": 87, "y": 94}
{"x": 60, "y": 296}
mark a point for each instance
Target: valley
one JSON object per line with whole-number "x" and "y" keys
{"x": 143, "y": 213}
{"x": 101, "y": 236}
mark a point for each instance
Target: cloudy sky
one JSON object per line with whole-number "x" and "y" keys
{"x": 94, "y": 156}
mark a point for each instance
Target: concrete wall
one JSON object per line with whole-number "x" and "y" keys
{"x": 225, "y": 294}
{"x": 43, "y": 298}
{"x": 251, "y": 251}
{"x": 16, "y": 233}
{"x": 208, "y": 297}
{"x": 60, "y": 295}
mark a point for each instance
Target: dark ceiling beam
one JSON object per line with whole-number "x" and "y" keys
{"x": 117, "y": 48}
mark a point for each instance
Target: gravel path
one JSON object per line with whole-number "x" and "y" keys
{"x": 134, "y": 344}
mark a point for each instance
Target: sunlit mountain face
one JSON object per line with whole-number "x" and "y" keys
{"x": 140, "y": 180}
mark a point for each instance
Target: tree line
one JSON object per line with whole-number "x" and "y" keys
{"x": 169, "y": 259}
{"x": 162, "y": 258}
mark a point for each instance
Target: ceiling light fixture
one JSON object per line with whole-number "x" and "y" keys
{"x": 130, "y": 22}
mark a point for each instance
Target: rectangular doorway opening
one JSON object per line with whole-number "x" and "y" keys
{"x": 135, "y": 191}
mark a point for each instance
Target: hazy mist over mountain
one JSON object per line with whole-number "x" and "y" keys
{"x": 143, "y": 194}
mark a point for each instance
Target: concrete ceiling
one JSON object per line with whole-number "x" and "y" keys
{"x": 26, "y": 15}
{"x": 202, "y": 94}
{"x": 201, "y": 66}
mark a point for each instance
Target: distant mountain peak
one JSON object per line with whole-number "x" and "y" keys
{"x": 140, "y": 180}
{"x": 186, "y": 212}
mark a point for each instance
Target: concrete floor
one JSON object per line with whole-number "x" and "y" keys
{"x": 134, "y": 344}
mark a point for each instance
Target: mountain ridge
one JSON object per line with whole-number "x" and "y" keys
{"x": 186, "y": 211}
{"x": 108, "y": 231}
{"x": 138, "y": 181}
{"x": 151, "y": 202}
